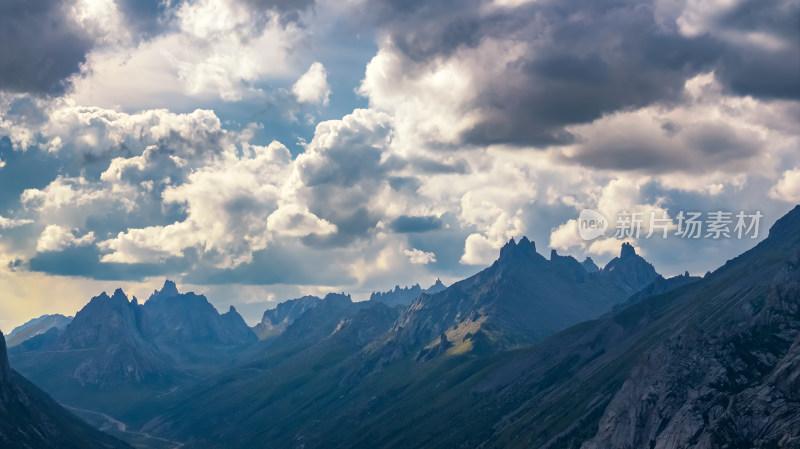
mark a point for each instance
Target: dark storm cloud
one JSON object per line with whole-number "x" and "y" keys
{"x": 587, "y": 58}
{"x": 85, "y": 261}
{"x": 351, "y": 225}
{"x": 754, "y": 70}
{"x": 40, "y": 45}
{"x": 143, "y": 16}
{"x": 408, "y": 224}
{"x": 694, "y": 149}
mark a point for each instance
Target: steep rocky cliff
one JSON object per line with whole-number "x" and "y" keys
{"x": 732, "y": 377}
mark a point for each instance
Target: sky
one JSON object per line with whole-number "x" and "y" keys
{"x": 259, "y": 150}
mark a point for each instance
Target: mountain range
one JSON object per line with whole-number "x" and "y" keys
{"x": 406, "y": 295}
{"x": 36, "y": 326}
{"x": 529, "y": 352}
{"x": 117, "y": 352}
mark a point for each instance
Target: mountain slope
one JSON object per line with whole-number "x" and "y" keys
{"x": 709, "y": 363}
{"x": 31, "y": 419}
{"x": 731, "y": 378}
{"x": 522, "y": 298}
{"x": 315, "y": 391}
{"x": 692, "y": 367}
{"x": 304, "y": 372}
{"x": 36, "y": 326}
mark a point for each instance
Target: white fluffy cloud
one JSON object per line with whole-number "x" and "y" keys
{"x": 8, "y": 223}
{"x": 419, "y": 257}
{"x": 56, "y": 238}
{"x": 434, "y": 102}
{"x": 227, "y": 203}
{"x": 313, "y": 86}
{"x": 294, "y": 221}
{"x": 213, "y": 49}
{"x": 788, "y": 187}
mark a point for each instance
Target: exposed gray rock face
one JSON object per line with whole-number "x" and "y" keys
{"x": 29, "y": 419}
{"x": 733, "y": 379}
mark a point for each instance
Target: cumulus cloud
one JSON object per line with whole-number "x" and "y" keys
{"x": 523, "y": 73}
{"x": 213, "y": 49}
{"x": 417, "y": 256}
{"x": 608, "y": 121}
{"x": 227, "y": 205}
{"x": 43, "y": 44}
{"x": 293, "y": 221}
{"x": 313, "y": 86}
{"x": 565, "y": 236}
{"x": 708, "y": 132}
{"x": 56, "y": 238}
{"x": 788, "y": 187}
{"x": 8, "y": 223}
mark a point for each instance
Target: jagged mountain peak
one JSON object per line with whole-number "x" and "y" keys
{"x": 169, "y": 290}
{"x": 119, "y": 295}
{"x": 630, "y": 269}
{"x": 513, "y": 251}
{"x": 627, "y": 250}
{"x": 118, "y": 298}
{"x": 337, "y": 299}
{"x": 589, "y": 265}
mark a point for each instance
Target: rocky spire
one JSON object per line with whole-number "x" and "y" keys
{"x": 167, "y": 291}
{"x": 513, "y": 249}
{"x": 626, "y": 251}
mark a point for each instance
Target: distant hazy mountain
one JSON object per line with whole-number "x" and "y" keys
{"x": 36, "y": 327}
{"x": 30, "y": 419}
{"x": 406, "y": 295}
{"x": 114, "y": 344}
{"x": 276, "y": 320}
